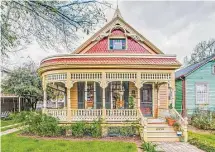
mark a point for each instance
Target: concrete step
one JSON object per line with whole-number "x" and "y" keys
{"x": 159, "y": 125}
{"x": 161, "y": 133}
{"x": 165, "y": 139}
{"x": 160, "y": 128}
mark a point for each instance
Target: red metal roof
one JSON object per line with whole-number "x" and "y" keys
{"x": 132, "y": 46}
{"x": 112, "y": 61}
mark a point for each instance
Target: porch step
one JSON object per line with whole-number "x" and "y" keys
{"x": 159, "y": 128}
{"x": 161, "y": 131}
{"x": 167, "y": 139}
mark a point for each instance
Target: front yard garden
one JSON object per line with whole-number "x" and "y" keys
{"x": 43, "y": 132}
{"x": 202, "y": 130}
{"x": 14, "y": 142}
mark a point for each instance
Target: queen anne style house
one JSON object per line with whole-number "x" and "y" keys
{"x": 118, "y": 76}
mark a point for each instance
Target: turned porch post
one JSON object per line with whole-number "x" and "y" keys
{"x": 103, "y": 85}
{"x": 138, "y": 86}
{"x": 173, "y": 88}
{"x": 68, "y": 87}
{"x": 44, "y": 95}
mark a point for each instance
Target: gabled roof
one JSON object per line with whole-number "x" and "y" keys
{"x": 190, "y": 69}
{"x": 117, "y": 19}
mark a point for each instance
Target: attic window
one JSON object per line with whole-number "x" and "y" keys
{"x": 117, "y": 44}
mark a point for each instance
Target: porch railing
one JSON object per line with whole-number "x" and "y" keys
{"x": 60, "y": 114}
{"x": 95, "y": 114}
{"x": 182, "y": 121}
{"x": 121, "y": 115}
{"x": 86, "y": 114}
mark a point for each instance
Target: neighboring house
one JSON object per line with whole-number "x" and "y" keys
{"x": 117, "y": 75}
{"x": 195, "y": 86}
{"x": 10, "y": 102}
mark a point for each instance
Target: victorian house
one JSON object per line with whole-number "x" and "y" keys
{"x": 118, "y": 76}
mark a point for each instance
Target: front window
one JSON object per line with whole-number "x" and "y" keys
{"x": 213, "y": 69}
{"x": 201, "y": 93}
{"x": 117, "y": 44}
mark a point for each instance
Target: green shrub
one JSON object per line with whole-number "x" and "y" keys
{"x": 149, "y": 147}
{"x": 21, "y": 117}
{"x": 38, "y": 123}
{"x": 78, "y": 129}
{"x": 203, "y": 120}
{"x": 81, "y": 129}
{"x": 122, "y": 131}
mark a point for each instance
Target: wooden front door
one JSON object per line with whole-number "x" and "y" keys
{"x": 146, "y": 100}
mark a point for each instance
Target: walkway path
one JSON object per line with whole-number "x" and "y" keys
{"x": 176, "y": 147}
{"x": 10, "y": 125}
{"x": 10, "y": 131}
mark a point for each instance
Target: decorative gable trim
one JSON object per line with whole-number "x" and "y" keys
{"x": 117, "y": 23}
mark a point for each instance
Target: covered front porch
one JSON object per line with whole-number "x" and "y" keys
{"x": 110, "y": 96}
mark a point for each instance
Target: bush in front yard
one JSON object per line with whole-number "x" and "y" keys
{"x": 81, "y": 129}
{"x": 122, "y": 131}
{"x": 203, "y": 120}
{"x": 39, "y": 124}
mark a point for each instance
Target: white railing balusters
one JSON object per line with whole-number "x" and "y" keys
{"x": 121, "y": 115}
{"x": 60, "y": 114}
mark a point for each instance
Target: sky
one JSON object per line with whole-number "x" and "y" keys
{"x": 174, "y": 27}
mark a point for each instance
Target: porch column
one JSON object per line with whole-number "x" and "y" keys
{"x": 138, "y": 97}
{"x": 138, "y": 85}
{"x": 19, "y": 105}
{"x": 158, "y": 99}
{"x": 173, "y": 89}
{"x": 111, "y": 96}
{"x": 103, "y": 103}
{"x": 68, "y": 89}
{"x": 103, "y": 85}
{"x": 44, "y": 95}
{"x": 44, "y": 100}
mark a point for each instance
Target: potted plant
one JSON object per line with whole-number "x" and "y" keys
{"x": 131, "y": 102}
{"x": 171, "y": 120}
{"x": 176, "y": 126}
{"x": 179, "y": 132}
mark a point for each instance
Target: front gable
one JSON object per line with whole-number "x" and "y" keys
{"x": 117, "y": 28}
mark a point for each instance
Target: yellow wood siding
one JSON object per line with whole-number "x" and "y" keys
{"x": 163, "y": 96}
{"x": 155, "y": 103}
{"x": 74, "y": 97}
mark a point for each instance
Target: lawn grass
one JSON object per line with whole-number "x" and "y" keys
{"x": 7, "y": 122}
{"x": 203, "y": 141}
{"x": 16, "y": 143}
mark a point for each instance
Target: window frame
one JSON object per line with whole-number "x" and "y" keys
{"x": 207, "y": 95}
{"x": 213, "y": 69}
{"x": 117, "y": 38}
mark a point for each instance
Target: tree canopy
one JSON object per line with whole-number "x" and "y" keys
{"x": 202, "y": 50}
{"x": 53, "y": 24}
{"x": 24, "y": 82}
